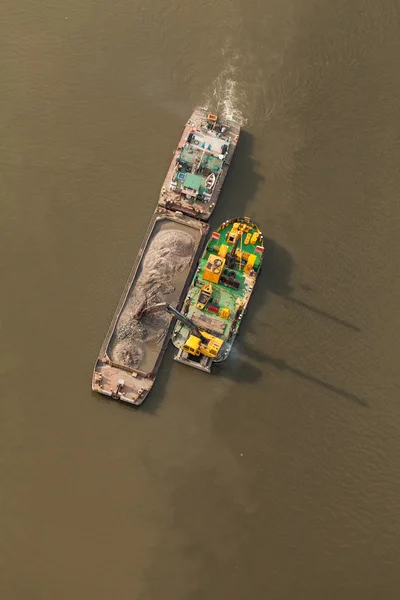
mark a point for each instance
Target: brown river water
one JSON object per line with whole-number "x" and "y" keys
{"x": 278, "y": 477}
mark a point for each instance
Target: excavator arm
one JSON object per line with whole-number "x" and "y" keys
{"x": 172, "y": 311}
{"x": 209, "y": 345}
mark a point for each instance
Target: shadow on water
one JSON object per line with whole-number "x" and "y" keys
{"x": 322, "y": 313}
{"x": 277, "y": 269}
{"x": 237, "y": 370}
{"x": 241, "y": 183}
{"x": 282, "y": 365}
{"x": 154, "y": 400}
{"x": 275, "y": 278}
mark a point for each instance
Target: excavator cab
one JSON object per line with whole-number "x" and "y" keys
{"x": 192, "y": 345}
{"x": 209, "y": 345}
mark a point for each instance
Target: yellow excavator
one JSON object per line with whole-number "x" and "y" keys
{"x": 198, "y": 342}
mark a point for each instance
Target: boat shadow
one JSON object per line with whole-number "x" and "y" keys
{"x": 241, "y": 184}
{"x": 275, "y": 278}
{"x": 238, "y": 370}
{"x": 280, "y": 364}
{"x": 159, "y": 390}
{"x": 322, "y": 313}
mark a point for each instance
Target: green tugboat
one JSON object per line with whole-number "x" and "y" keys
{"x": 218, "y": 295}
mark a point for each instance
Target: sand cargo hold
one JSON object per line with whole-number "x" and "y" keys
{"x": 136, "y": 341}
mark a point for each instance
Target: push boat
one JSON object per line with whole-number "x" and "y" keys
{"x": 135, "y": 343}
{"x": 200, "y": 164}
{"x": 218, "y": 296}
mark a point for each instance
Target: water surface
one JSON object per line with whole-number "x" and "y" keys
{"x": 278, "y": 476}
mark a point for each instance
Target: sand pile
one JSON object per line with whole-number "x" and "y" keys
{"x": 128, "y": 356}
{"x": 168, "y": 254}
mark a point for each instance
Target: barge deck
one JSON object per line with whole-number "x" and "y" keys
{"x": 134, "y": 346}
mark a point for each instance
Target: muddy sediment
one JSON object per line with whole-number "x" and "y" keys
{"x": 167, "y": 255}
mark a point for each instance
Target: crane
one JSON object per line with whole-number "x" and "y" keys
{"x": 198, "y": 342}
{"x": 230, "y": 257}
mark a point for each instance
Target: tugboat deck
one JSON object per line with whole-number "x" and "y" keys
{"x": 232, "y": 267}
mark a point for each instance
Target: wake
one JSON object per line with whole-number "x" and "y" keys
{"x": 226, "y": 97}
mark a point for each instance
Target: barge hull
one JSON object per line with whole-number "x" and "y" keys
{"x": 114, "y": 377}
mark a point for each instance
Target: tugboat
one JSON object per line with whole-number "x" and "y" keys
{"x": 200, "y": 164}
{"x": 219, "y": 294}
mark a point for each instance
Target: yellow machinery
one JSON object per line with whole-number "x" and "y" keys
{"x": 247, "y": 239}
{"x": 204, "y": 296}
{"x": 224, "y": 312}
{"x": 233, "y": 234}
{"x": 209, "y": 345}
{"x": 241, "y": 255}
{"x": 254, "y": 238}
{"x": 214, "y": 267}
{"x": 236, "y": 230}
{"x": 250, "y": 263}
{"x": 223, "y": 250}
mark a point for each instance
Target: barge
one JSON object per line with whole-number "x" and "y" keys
{"x": 135, "y": 343}
{"x": 138, "y": 336}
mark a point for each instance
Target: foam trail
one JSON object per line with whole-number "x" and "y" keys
{"x": 225, "y": 97}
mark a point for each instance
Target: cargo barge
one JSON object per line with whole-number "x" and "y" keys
{"x": 135, "y": 343}
{"x": 219, "y": 294}
{"x": 137, "y": 338}
{"x": 200, "y": 164}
